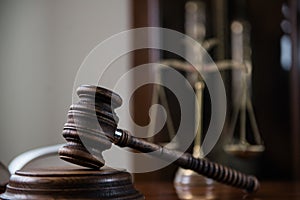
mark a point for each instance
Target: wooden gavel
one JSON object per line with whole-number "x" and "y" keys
{"x": 94, "y": 121}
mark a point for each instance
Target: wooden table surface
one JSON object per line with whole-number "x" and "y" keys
{"x": 268, "y": 191}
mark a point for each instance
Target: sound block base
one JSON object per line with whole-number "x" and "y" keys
{"x": 71, "y": 184}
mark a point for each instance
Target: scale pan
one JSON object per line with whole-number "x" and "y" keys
{"x": 244, "y": 150}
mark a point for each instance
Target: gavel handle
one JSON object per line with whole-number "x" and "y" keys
{"x": 204, "y": 167}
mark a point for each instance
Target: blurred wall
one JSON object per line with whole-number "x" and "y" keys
{"x": 42, "y": 45}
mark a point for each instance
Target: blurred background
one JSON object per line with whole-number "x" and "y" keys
{"x": 43, "y": 44}
{"x": 262, "y": 34}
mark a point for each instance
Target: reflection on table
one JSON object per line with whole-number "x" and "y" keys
{"x": 268, "y": 191}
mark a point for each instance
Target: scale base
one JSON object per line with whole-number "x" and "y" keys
{"x": 186, "y": 181}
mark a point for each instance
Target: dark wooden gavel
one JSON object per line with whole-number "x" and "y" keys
{"x": 94, "y": 121}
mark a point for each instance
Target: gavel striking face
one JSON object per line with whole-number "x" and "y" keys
{"x": 93, "y": 120}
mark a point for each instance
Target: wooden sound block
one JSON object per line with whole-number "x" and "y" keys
{"x": 71, "y": 184}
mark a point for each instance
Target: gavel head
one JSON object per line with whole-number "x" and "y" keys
{"x": 90, "y": 127}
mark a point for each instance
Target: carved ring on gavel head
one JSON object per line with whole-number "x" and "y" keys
{"x": 94, "y": 120}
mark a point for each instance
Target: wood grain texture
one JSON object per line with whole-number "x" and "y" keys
{"x": 269, "y": 191}
{"x": 71, "y": 184}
